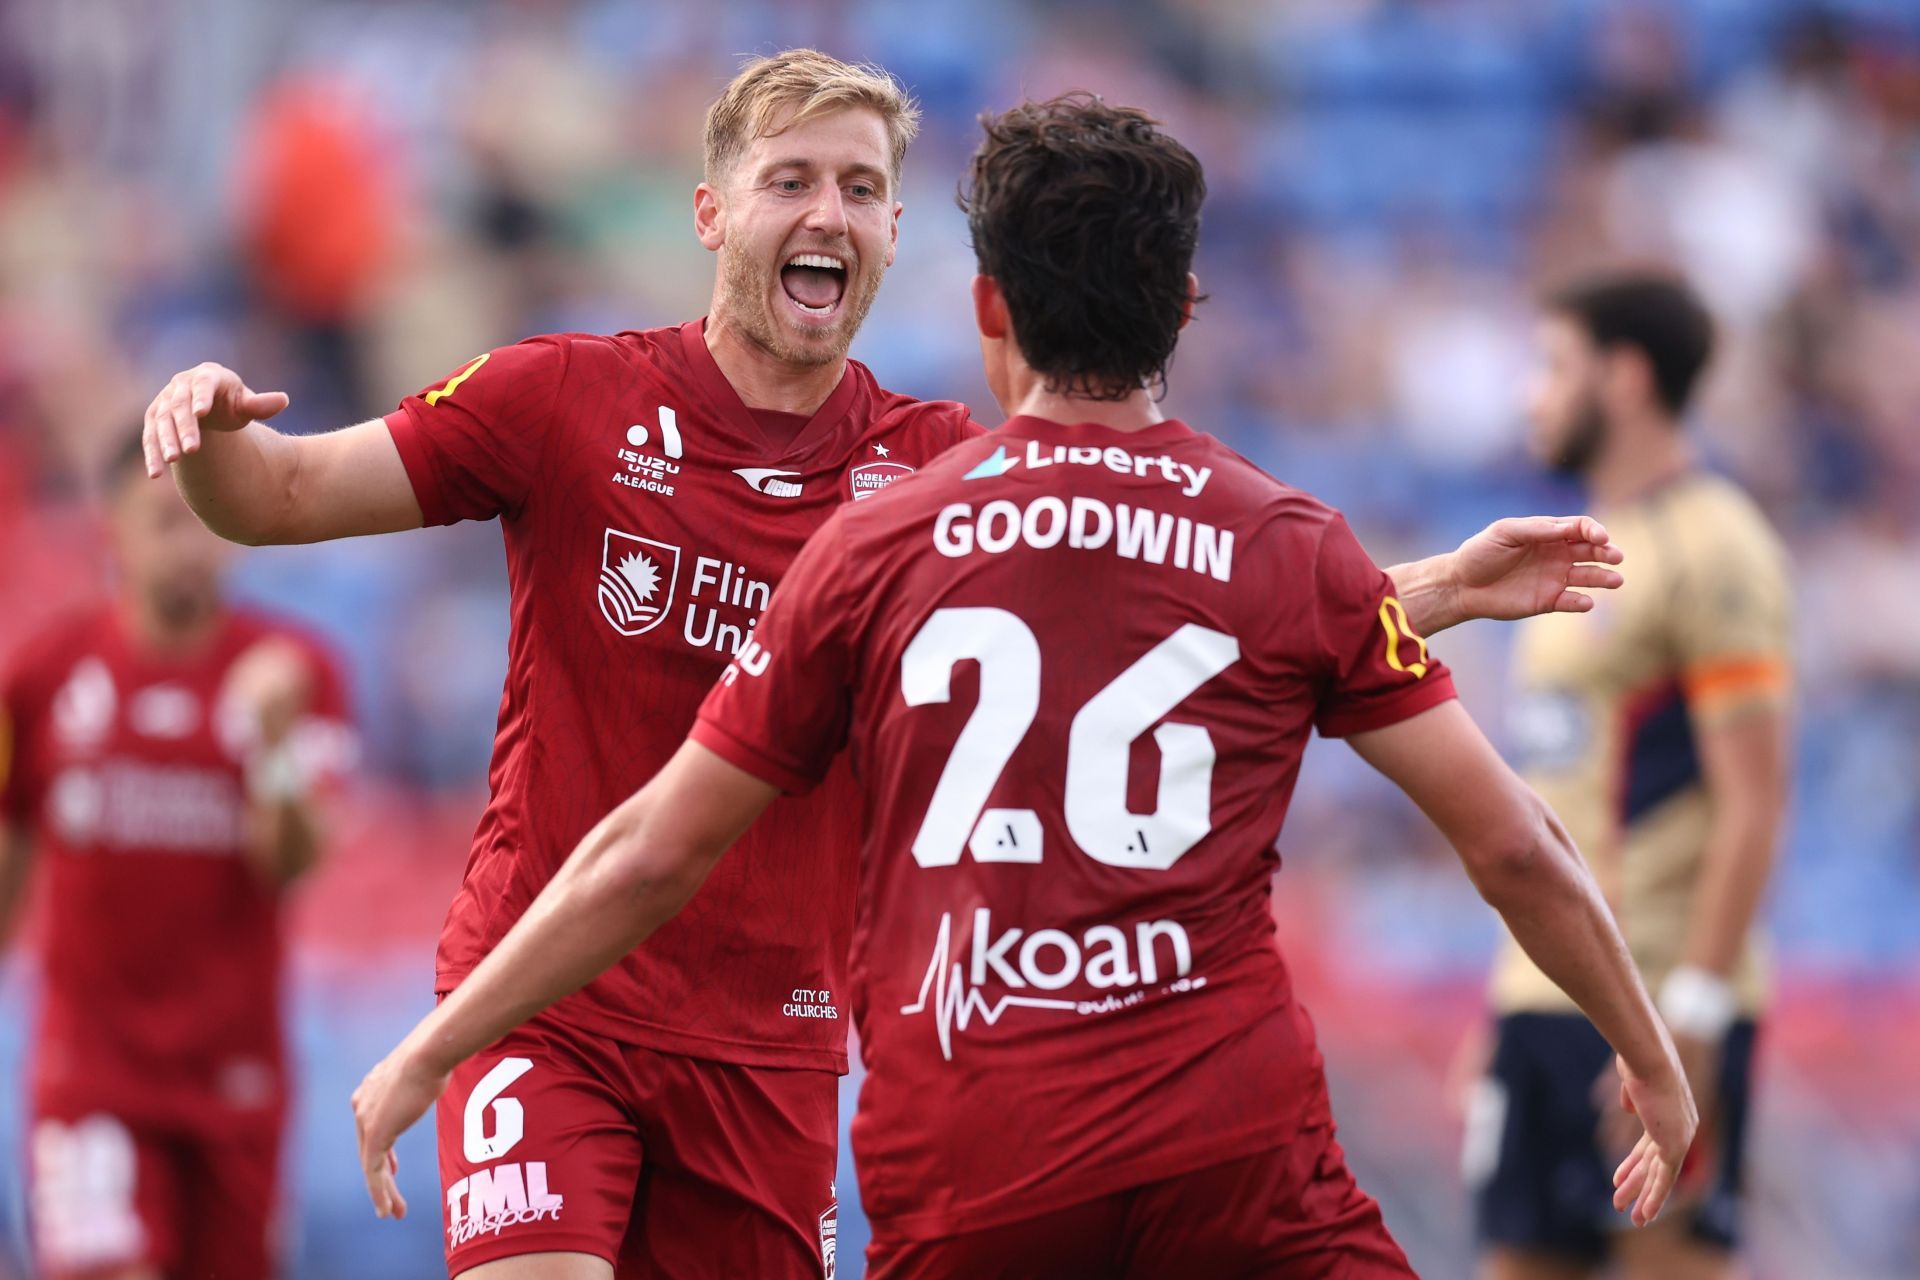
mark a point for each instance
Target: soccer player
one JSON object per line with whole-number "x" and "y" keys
{"x": 653, "y": 487}
{"x": 1076, "y": 664}
{"x": 1658, "y": 729}
{"x": 159, "y": 753}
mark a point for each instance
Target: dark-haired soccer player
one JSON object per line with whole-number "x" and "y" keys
{"x": 653, "y": 487}
{"x": 159, "y": 754}
{"x": 1076, "y": 663}
{"x": 1658, "y": 730}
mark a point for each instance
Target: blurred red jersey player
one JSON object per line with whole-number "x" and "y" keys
{"x": 1075, "y": 666}
{"x": 163, "y": 753}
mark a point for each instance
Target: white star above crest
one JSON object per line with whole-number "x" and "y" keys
{"x": 880, "y": 448}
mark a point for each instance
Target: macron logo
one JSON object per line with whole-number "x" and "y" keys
{"x": 995, "y": 464}
{"x": 769, "y": 481}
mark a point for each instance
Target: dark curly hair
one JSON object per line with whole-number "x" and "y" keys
{"x": 1087, "y": 216}
{"x": 1650, "y": 310}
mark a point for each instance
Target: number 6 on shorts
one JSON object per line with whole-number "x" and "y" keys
{"x": 510, "y": 1119}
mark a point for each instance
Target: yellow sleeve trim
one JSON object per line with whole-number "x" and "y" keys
{"x": 1390, "y": 610}
{"x": 453, "y": 384}
{"x": 1731, "y": 678}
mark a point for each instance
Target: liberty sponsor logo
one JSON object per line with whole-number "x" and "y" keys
{"x": 643, "y": 466}
{"x": 1191, "y": 480}
{"x": 640, "y": 580}
{"x": 1127, "y": 966}
{"x": 637, "y": 581}
{"x": 488, "y": 1201}
{"x": 807, "y": 1002}
{"x": 870, "y": 478}
{"x": 1086, "y": 524}
{"x": 770, "y": 481}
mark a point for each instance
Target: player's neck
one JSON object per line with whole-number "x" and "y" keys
{"x": 1030, "y": 398}
{"x": 155, "y": 631}
{"x": 764, "y": 381}
{"x": 1639, "y": 464}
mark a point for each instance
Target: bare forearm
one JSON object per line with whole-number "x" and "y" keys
{"x": 1739, "y": 860}
{"x": 1557, "y": 914}
{"x": 1425, "y": 590}
{"x": 285, "y": 840}
{"x": 607, "y": 899}
{"x": 240, "y": 483}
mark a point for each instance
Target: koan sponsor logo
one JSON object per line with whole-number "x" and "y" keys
{"x": 1154, "y": 957}
{"x": 489, "y": 1201}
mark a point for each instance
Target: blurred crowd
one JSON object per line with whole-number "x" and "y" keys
{"x": 346, "y": 200}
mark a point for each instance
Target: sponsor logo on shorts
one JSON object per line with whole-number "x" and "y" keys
{"x": 489, "y": 1201}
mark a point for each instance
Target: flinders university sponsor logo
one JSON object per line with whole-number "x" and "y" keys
{"x": 1155, "y": 957}
{"x": 489, "y": 1201}
{"x": 637, "y": 578}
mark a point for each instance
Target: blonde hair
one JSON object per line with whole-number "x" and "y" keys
{"x": 808, "y": 84}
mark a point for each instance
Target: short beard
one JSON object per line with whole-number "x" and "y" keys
{"x": 1586, "y": 436}
{"x": 747, "y": 285}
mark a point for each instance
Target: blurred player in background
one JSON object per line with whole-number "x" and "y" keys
{"x": 653, "y": 487}
{"x": 1657, "y": 729}
{"x": 162, "y": 754}
{"x": 1077, "y": 663}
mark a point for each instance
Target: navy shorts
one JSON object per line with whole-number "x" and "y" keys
{"x": 1533, "y": 1158}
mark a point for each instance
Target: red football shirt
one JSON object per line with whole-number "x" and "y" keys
{"x": 1076, "y": 669}
{"x": 161, "y": 984}
{"x": 647, "y": 520}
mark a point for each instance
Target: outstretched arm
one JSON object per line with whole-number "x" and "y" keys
{"x": 248, "y": 483}
{"x": 1513, "y": 568}
{"x": 1525, "y": 866}
{"x": 629, "y": 876}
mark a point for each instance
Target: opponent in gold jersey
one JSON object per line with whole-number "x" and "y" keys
{"x": 1655, "y": 727}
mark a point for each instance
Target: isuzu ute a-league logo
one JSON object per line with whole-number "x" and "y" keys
{"x": 637, "y": 578}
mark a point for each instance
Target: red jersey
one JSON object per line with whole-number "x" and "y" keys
{"x": 1077, "y": 669}
{"x": 647, "y": 517}
{"x": 161, "y": 982}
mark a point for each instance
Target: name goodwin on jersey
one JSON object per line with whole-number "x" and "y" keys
{"x": 1086, "y": 524}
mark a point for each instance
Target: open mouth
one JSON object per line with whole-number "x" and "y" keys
{"x": 815, "y": 283}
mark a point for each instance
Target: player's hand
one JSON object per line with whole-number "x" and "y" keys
{"x": 395, "y": 1093}
{"x": 1528, "y": 565}
{"x": 207, "y": 397}
{"x": 272, "y": 684}
{"x": 1646, "y": 1177}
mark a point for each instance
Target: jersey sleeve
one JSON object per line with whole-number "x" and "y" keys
{"x": 1377, "y": 668}
{"x": 782, "y": 708}
{"x": 471, "y": 443}
{"x": 1732, "y": 623}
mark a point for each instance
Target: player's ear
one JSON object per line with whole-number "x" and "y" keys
{"x": 989, "y": 307}
{"x": 893, "y": 231}
{"x": 709, "y": 220}
{"x": 1193, "y": 296}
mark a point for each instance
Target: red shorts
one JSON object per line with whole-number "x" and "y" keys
{"x": 1292, "y": 1213}
{"x": 664, "y": 1165}
{"x": 108, "y": 1194}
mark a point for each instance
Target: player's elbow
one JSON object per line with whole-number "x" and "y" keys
{"x": 1520, "y": 853}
